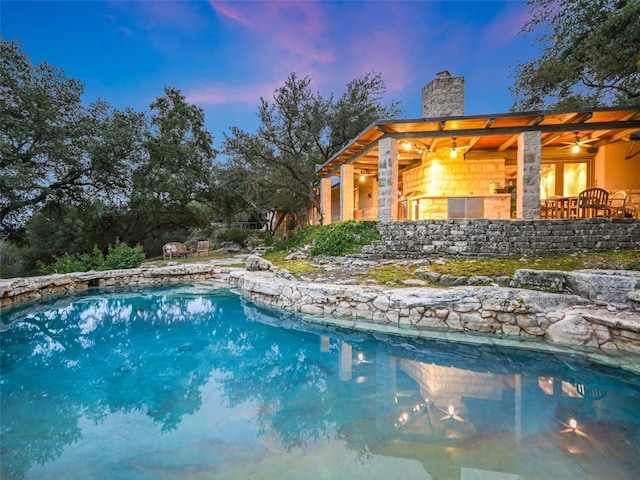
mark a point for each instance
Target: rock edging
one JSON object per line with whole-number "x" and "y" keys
{"x": 493, "y": 311}
{"x": 556, "y": 316}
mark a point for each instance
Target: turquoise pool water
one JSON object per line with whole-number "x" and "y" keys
{"x": 193, "y": 383}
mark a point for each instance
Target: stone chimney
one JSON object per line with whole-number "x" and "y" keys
{"x": 443, "y": 96}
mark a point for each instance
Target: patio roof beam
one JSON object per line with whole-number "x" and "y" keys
{"x": 513, "y": 139}
{"x": 352, "y": 159}
{"x": 551, "y": 138}
{"x": 613, "y": 138}
{"x": 537, "y": 120}
{"x": 473, "y": 132}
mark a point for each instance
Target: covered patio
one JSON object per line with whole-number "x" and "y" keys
{"x": 502, "y": 166}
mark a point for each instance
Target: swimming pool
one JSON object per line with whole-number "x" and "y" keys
{"x": 194, "y": 382}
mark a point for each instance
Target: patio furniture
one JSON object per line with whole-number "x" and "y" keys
{"x": 175, "y": 249}
{"x": 630, "y": 212}
{"x": 559, "y": 207}
{"x": 617, "y": 203}
{"x": 202, "y": 248}
{"x": 550, "y": 208}
{"x": 593, "y": 203}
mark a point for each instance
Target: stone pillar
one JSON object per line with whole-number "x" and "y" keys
{"x": 325, "y": 200}
{"x": 346, "y": 192}
{"x": 528, "y": 186}
{"x": 443, "y": 96}
{"x": 387, "y": 179}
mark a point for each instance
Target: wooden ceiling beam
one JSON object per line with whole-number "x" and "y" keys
{"x": 613, "y": 138}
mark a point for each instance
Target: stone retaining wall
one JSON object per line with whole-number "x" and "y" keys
{"x": 502, "y": 238}
{"x": 492, "y": 311}
{"x": 19, "y": 289}
{"x": 483, "y": 314}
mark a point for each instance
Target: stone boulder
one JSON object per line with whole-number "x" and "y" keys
{"x": 546, "y": 280}
{"x": 608, "y": 286}
{"x": 254, "y": 263}
{"x": 573, "y": 330}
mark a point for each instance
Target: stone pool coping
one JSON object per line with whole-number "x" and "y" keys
{"x": 511, "y": 316}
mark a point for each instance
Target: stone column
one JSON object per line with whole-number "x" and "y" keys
{"x": 346, "y": 192}
{"x": 528, "y": 186}
{"x": 387, "y": 179}
{"x": 325, "y": 200}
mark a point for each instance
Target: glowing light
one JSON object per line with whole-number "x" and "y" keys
{"x": 575, "y": 148}
{"x": 451, "y": 409}
{"x": 360, "y": 357}
{"x": 453, "y": 154}
{"x": 406, "y": 146}
{"x": 362, "y": 178}
{"x": 573, "y": 423}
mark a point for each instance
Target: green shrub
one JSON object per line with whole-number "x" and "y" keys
{"x": 65, "y": 264}
{"x": 344, "y": 237}
{"x": 633, "y": 266}
{"x": 237, "y": 235}
{"x": 119, "y": 256}
{"x": 334, "y": 239}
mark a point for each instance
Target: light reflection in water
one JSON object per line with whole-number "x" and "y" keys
{"x": 193, "y": 383}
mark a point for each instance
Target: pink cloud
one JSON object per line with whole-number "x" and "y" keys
{"x": 290, "y": 31}
{"x": 226, "y": 94}
{"x": 504, "y": 28}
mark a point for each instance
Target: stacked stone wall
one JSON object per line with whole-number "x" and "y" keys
{"x": 502, "y": 238}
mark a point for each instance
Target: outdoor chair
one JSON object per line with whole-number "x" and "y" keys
{"x": 630, "y": 211}
{"x": 593, "y": 202}
{"x": 175, "y": 249}
{"x": 202, "y": 248}
{"x": 617, "y": 203}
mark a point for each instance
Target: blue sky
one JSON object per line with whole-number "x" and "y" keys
{"x": 224, "y": 56}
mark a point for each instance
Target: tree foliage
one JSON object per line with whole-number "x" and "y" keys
{"x": 176, "y": 174}
{"x": 42, "y": 124}
{"x": 76, "y": 175}
{"x": 590, "y": 55}
{"x": 301, "y": 129}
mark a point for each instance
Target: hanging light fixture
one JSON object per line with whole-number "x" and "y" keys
{"x": 454, "y": 149}
{"x": 575, "y": 148}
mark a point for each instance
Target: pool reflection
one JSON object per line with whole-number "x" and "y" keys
{"x": 216, "y": 386}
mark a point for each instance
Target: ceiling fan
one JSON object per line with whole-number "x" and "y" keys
{"x": 577, "y": 144}
{"x": 455, "y": 150}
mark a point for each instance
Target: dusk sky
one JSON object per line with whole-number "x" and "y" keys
{"x": 224, "y": 56}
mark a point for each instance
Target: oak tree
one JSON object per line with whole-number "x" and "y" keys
{"x": 590, "y": 55}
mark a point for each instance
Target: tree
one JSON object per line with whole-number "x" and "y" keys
{"x": 300, "y": 130}
{"x": 590, "y": 55}
{"x": 41, "y": 129}
{"x": 176, "y": 174}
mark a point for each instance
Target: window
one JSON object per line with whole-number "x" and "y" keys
{"x": 564, "y": 178}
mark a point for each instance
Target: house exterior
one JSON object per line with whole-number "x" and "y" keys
{"x": 500, "y": 166}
